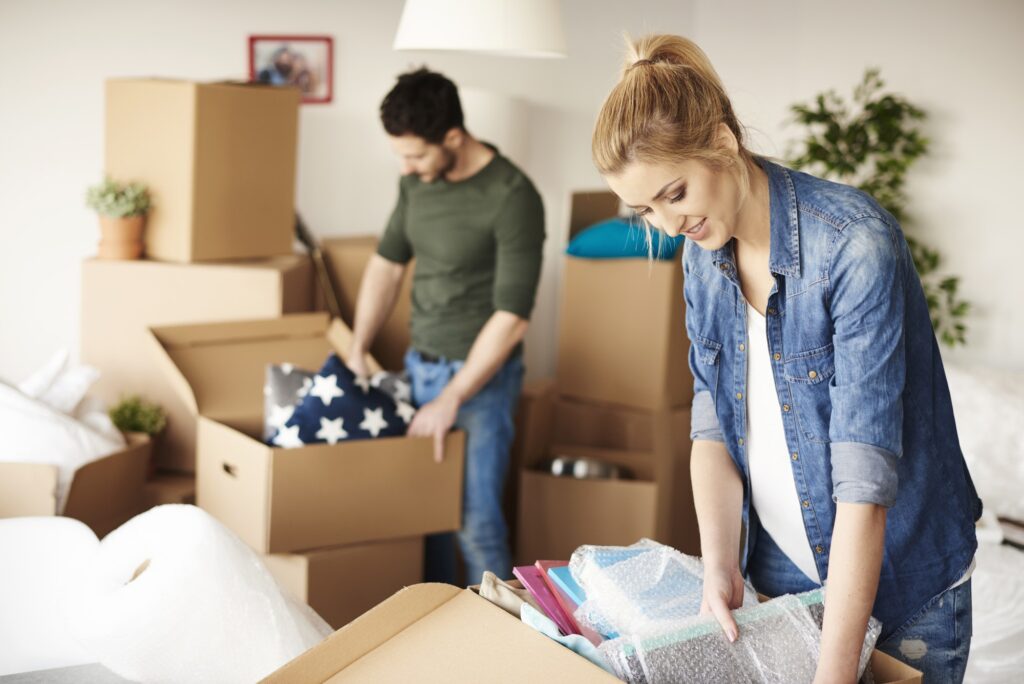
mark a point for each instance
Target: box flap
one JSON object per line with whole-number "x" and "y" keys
{"x": 218, "y": 369}
{"x": 109, "y": 491}
{"x": 438, "y": 633}
{"x": 590, "y": 207}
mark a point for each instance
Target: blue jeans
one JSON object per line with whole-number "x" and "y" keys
{"x": 936, "y": 641}
{"x": 487, "y": 419}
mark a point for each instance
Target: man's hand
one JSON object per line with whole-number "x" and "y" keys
{"x": 357, "y": 363}
{"x": 435, "y": 419}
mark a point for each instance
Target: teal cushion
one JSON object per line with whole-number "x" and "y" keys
{"x": 618, "y": 238}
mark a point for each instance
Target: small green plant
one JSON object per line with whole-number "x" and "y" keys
{"x": 111, "y": 198}
{"x": 871, "y": 145}
{"x": 135, "y": 414}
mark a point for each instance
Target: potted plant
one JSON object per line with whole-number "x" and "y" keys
{"x": 122, "y": 209}
{"x": 135, "y": 415}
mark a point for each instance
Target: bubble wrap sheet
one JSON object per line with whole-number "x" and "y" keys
{"x": 779, "y": 642}
{"x": 645, "y": 600}
{"x": 638, "y": 589}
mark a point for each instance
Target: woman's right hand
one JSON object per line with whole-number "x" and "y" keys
{"x": 723, "y": 593}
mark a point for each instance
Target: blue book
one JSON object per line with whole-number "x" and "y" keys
{"x": 563, "y": 578}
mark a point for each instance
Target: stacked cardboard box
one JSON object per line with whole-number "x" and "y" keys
{"x": 340, "y": 524}
{"x": 621, "y": 396}
{"x": 346, "y": 259}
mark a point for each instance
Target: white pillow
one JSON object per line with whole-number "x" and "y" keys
{"x": 989, "y": 409}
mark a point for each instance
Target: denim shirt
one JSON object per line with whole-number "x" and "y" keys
{"x": 861, "y": 388}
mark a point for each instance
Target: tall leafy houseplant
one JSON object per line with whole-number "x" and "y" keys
{"x": 871, "y": 144}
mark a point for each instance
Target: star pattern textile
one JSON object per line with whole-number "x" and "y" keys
{"x": 338, "y": 407}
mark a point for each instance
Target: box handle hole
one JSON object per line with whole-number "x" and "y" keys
{"x": 230, "y": 469}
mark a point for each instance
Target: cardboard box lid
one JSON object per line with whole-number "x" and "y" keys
{"x": 218, "y": 369}
{"x": 438, "y": 633}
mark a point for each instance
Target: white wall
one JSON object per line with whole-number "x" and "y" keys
{"x": 960, "y": 61}
{"x": 963, "y": 62}
{"x": 58, "y": 53}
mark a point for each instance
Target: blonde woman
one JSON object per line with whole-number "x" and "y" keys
{"x": 824, "y": 446}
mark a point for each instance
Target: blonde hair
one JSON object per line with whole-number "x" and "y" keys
{"x": 666, "y": 107}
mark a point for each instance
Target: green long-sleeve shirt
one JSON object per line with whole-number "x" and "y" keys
{"x": 478, "y": 248}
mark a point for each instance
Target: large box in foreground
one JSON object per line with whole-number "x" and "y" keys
{"x": 219, "y": 160}
{"x": 343, "y": 582}
{"x": 103, "y": 493}
{"x": 120, "y": 299}
{"x": 435, "y": 633}
{"x": 314, "y": 496}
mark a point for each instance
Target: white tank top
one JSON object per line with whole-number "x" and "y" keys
{"x": 773, "y": 489}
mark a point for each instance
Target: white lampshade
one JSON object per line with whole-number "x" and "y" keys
{"x": 518, "y": 28}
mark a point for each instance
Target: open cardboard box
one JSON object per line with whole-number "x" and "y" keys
{"x": 556, "y": 514}
{"x": 280, "y": 500}
{"x": 622, "y": 331}
{"x": 122, "y": 299}
{"x": 103, "y": 494}
{"x": 439, "y": 633}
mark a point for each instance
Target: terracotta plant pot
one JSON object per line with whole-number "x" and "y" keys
{"x": 121, "y": 237}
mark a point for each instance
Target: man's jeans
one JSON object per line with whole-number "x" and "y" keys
{"x": 487, "y": 419}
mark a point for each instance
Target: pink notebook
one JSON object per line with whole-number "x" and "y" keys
{"x": 567, "y": 608}
{"x": 565, "y": 601}
{"x": 533, "y": 580}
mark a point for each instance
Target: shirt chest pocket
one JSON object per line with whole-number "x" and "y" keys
{"x": 707, "y": 352}
{"x": 808, "y": 374}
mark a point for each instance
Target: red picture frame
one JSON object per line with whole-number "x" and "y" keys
{"x": 303, "y": 61}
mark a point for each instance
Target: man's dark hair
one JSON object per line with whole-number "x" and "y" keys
{"x": 423, "y": 103}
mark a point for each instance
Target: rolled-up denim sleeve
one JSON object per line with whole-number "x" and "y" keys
{"x": 867, "y": 274}
{"x": 704, "y": 423}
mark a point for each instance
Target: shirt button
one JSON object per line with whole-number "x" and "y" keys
{"x": 806, "y": 503}
{"x": 741, "y": 441}
{"x": 794, "y": 456}
{"x": 777, "y": 356}
{"x": 724, "y": 267}
{"x": 819, "y": 550}
{"x": 812, "y": 374}
{"x": 785, "y": 407}
{"x": 739, "y": 395}
{"x": 742, "y": 347}
{"x": 771, "y": 311}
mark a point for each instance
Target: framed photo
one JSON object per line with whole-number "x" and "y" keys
{"x": 303, "y": 61}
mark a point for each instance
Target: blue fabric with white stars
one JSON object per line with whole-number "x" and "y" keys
{"x": 340, "y": 407}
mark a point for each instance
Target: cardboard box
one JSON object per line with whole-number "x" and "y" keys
{"x": 622, "y": 323}
{"x": 103, "y": 494}
{"x": 622, "y": 333}
{"x": 343, "y": 582}
{"x": 532, "y": 430}
{"x": 120, "y": 299}
{"x": 437, "y": 633}
{"x": 346, "y": 259}
{"x": 558, "y": 514}
{"x": 316, "y": 496}
{"x": 219, "y": 160}
{"x": 169, "y": 488}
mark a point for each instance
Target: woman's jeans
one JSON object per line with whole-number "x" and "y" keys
{"x": 936, "y": 641}
{"x": 487, "y": 419}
